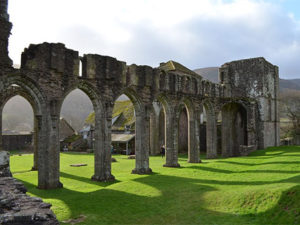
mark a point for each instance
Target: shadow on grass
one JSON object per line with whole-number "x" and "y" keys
{"x": 177, "y": 201}
{"x": 21, "y": 171}
{"x": 258, "y": 164}
{"x": 216, "y": 170}
{"x": 87, "y": 180}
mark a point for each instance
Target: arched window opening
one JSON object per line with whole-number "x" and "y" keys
{"x": 234, "y": 129}
{"x": 123, "y": 126}
{"x": 18, "y": 125}
{"x": 77, "y": 122}
{"x": 183, "y": 131}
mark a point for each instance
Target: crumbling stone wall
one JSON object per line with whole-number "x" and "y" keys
{"x": 50, "y": 71}
{"x": 15, "y": 206}
{"x": 6, "y": 26}
{"x": 18, "y": 208}
{"x": 256, "y": 80}
{"x": 4, "y": 164}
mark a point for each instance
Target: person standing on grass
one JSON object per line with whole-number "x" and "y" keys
{"x": 162, "y": 151}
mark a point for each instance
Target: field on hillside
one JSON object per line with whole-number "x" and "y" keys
{"x": 263, "y": 188}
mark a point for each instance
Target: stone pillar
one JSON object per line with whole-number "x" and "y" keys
{"x": 211, "y": 134}
{"x": 5, "y": 28}
{"x": 193, "y": 137}
{"x": 171, "y": 135}
{"x": 102, "y": 150}
{"x": 227, "y": 126}
{"x": 251, "y": 126}
{"x": 48, "y": 152}
{"x": 3, "y": 9}
{"x": 35, "y": 142}
{"x": 142, "y": 144}
{"x": 276, "y": 107}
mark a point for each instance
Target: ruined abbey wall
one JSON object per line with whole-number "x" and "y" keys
{"x": 246, "y": 97}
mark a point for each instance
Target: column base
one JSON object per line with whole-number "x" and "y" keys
{"x": 192, "y": 161}
{"x": 175, "y": 165}
{"x": 107, "y": 178}
{"x": 34, "y": 168}
{"x": 211, "y": 156}
{"x": 141, "y": 171}
{"x": 47, "y": 187}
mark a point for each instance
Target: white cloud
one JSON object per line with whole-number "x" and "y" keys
{"x": 195, "y": 33}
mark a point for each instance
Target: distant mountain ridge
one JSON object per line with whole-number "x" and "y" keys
{"x": 212, "y": 74}
{"x": 209, "y": 73}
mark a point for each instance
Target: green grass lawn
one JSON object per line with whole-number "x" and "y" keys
{"x": 263, "y": 188}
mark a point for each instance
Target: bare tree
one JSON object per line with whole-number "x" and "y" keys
{"x": 290, "y": 105}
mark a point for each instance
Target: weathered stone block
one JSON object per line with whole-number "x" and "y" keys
{"x": 18, "y": 208}
{"x": 4, "y": 164}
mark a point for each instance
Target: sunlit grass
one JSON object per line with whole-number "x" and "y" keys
{"x": 259, "y": 189}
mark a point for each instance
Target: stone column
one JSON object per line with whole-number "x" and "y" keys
{"x": 5, "y": 28}
{"x": 171, "y": 135}
{"x": 3, "y": 8}
{"x": 48, "y": 152}
{"x": 193, "y": 141}
{"x": 211, "y": 134}
{"x": 251, "y": 126}
{"x": 102, "y": 150}
{"x": 35, "y": 142}
{"x": 142, "y": 144}
{"x": 227, "y": 127}
{"x": 276, "y": 107}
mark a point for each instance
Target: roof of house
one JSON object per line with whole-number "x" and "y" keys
{"x": 65, "y": 129}
{"x": 123, "y": 114}
{"x": 122, "y": 138}
{"x": 175, "y": 66}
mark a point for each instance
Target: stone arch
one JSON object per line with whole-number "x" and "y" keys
{"x": 157, "y": 127}
{"x": 234, "y": 128}
{"x": 211, "y": 129}
{"x": 29, "y": 89}
{"x": 169, "y": 125}
{"x": 192, "y": 128}
{"x": 142, "y": 131}
{"x": 135, "y": 99}
{"x": 46, "y": 159}
{"x": 13, "y": 91}
{"x": 182, "y": 118}
{"x": 90, "y": 91}
{"x": 102, "y": 132}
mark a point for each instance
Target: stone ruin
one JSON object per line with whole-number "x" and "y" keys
{"x": 15, "y": 206}
{"x": 247, "y": 97}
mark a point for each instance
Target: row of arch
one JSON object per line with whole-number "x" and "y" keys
{"x": 233, "y": 129}
{"x": 148, "y": 128}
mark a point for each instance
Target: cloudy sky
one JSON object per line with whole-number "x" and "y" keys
{"x": 196, "y": 33}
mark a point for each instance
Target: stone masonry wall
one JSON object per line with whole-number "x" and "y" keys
{"x": 17, "y": 208}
